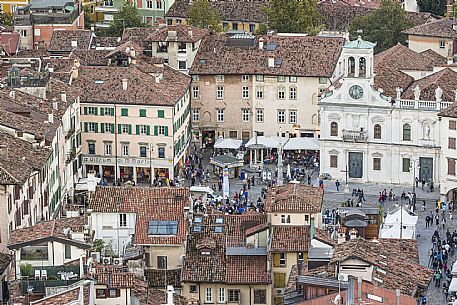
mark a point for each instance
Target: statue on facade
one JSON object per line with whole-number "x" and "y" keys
{"x": 427, "y": 132}
{"x": 399, "y": 91}
{"x": 438, "y": 94}
{"x": 417, "y": 92}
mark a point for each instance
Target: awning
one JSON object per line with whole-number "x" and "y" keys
{"x": 227, "y": 143}
{"x": 69, "y": 8}
{"x": 265, "y": 142}
{"x": 302, "y": 144}
{"x": 453, "y": 285}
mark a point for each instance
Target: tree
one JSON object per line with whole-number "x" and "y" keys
{"x": 87, "y": 19}
{"x": 26, "y": 270}
{"x": 6, "y": 18}
{"x": 292, "y": 16}
{"x": 384, "y": 26}
{"x": 436, "y": 7}
{"x": 203, "y": 16}
{"x": 127, "y": 17}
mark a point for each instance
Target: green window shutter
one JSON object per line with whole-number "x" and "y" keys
{"x": 96, "y": 127}
{"x": 85, "y": 110}
{"x": 142, "y": 113}
{"x": 166, "y": 130}
{"x": 156, "y": 130}
{"x": 124, "y": 112}
{"x": 119, "y": 128}
{"x": 130, "y": 129}
{"x": 161, "y": 114}
{"x": 102, "y": 127}
{"x": 102, "y": 111}
{"x": 96, "y": 110}
{"x": 112, "y": 128}
{"x": 137, "y": 129}
{"x": 148, "y": 130}
{"x": 86, "y": 126}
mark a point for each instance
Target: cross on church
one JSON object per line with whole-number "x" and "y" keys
{"x": 346, "y": 171}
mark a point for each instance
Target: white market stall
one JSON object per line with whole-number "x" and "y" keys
{"x": 453, "y": 285}
{"x": 222, "y": 143}
{"x": 302, "y": 144}
{"x": 260, "y": 146}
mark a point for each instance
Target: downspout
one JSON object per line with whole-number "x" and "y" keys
{"x": 250, "y": 295}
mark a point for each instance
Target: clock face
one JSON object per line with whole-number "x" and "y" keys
{"x": 356, "y": 92}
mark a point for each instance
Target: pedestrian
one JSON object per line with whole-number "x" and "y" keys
{"x": 427, "y": 221}
{"x": 417, "y": 182}
{"x": 423, "y": 184}
{"x": 337, "y": 184}
{"x": 437, "y": 278}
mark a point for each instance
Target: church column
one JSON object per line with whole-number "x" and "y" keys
{"x": 357, "y": 66}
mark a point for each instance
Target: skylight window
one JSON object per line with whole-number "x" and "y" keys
{"x": 163, "y": 227}
{"x": 197, "y": 229}
{"x": 218, "y": 229}
{"x": 99, "y": 82}
{"x": 198, "y": 219}
{"x": 219, "y": 220}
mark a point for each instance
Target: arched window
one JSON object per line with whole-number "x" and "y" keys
{"x": 334, "y": 129}
{"x": 351, "y": 67}
{"x": 377, "y": 131}
{"x": 406, "y": 132}
{"x": 362, "y": 67}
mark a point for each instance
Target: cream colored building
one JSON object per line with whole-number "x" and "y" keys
{"x": 243, "y": 84}
{"x": 438, "y": 36}
{"x": 135, "y": 121}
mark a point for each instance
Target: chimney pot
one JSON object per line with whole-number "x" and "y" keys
{"x": 124, "y": 84}
{"x": 261, "y": 43}
{"x": 50, "y": 118}
{"x": 271, "y": 62}
{"x": 63, "y": 96}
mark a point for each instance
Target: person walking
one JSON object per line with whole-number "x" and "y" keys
{"x": 437, "y": 278}
{"x": 337, "y": 184}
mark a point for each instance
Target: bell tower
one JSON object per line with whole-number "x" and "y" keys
{"x": 358, "y": 59}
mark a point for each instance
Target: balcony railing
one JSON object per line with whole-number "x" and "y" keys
{"x": 27, "y": 81}
{"x": 424, "y": 105}
{"x": 355, "y": 135}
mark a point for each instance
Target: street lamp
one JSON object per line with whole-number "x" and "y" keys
{"x": 151, "y": 149}
{"x": 413, "y": 165}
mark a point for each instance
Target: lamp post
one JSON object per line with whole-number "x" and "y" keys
{"x": 151, "y": 149}
{"x": 413, "y": 165}
{"x": 280, "y": 174}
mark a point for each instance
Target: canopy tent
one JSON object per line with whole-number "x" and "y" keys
{"x": 266, "y": 142}
{"x": 401, "y": 215}
{"x": 227, "y": 143}
{"x": 454, "y": 269}
{"x": 453, "y": 285}
{"x": 394, "y": 232}
{"x": 302, "y": 144}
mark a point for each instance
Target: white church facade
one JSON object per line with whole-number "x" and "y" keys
{"x": 375, "y": 137}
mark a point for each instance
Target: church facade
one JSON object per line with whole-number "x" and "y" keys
{"x": 380, "y": 137}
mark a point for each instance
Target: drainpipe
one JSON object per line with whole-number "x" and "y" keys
{"x": 397, "y": 294}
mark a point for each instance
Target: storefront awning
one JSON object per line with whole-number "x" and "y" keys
{"x": 227, "y": 143}
{"x": 302, "y": 144}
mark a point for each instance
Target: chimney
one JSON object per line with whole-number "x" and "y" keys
{"x": 12, "y": 94}
{"x": 50, "y": 118}
{"x": 124, "y": 84}
{"x": 397, "y": 294}
{"x": 261, "y": 43}
{"x": 74, "y": 73}
{"x": 271, "y": 62}
{"x": 63, "y": 96}
{"x": 170, "y": 291}
{"x": 132, "y": 52}
{"x": 4, "y": 152}
{"x": 55, "y": 105}
{"x": 341, "y": 235}
{"x": 311, "y": 228}
{"x": 189, "y": 31}
{"x": 353, "y": 234}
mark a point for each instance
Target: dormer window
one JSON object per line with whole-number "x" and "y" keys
{"x": 167, "y": 227}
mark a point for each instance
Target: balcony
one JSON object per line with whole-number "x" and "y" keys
{"x": 355, "y": 135}
{"x": 424, "y": 105}
{"x": 33, "y": 80}
{"x": 69, "y": 133}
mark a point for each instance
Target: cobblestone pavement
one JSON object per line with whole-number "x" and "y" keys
{"x": 333, "y": 199}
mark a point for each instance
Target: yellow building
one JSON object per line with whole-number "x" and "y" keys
{"x": 11, "y": 6}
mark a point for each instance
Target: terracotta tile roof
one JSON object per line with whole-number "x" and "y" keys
{"x": 437, "y": 28}
{"x": 9, "y": 42}
{"x": 324, "y": 237}
{"x": 446, "y": 79}
{"x": 104, "y": 85}
{"x": 294, "y": 198}
{"x": 290, "y": 239}
{"x": 68, "y": 296}
{"x": 138, "y": 35}
{"x": 183, "y": 33}
{"x": 166, "y": 204}
{"x": 105, "y": 42}
{"x": 437, "y": 59}
{"x": 46, "y": 230}
{"x": 115, "y": 280}
{"x": 64, "y": 40}
{"x": 400, "y": 271}
{"x": 338, "y": 16}
{"x": 162, "y": 278}
{"x": 18, "y": 159}
{"x": 206, "y": 259}
{"x": 388, "y": 296}
{"x": 5, "y": 260}
{"x": 91, "y": 57}
{"x": 127, "y": 48}
{"x": 298, "y": 56}
{"x": 450, "y": 111}
{"x": 247, "y": 270}
{"x": 153, "y": 296}
{"x": 238, "y": 10}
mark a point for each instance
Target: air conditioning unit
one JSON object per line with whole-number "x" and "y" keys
{"x": 95, "y": 256}
{"x": 106, "y": 260}
{"x": 117, "y": 261}
{"x": 279, "y": 291}
{"x": 343, "y": 277}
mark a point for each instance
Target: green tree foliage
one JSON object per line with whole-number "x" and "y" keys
{"x": 437, "y": 7}
{"x": 384, "y": 26}
{"x": 26, "y": 270}
{"x": 87, "y": 20}
{"x": 203, "y": 16}
{"x": 6, "y": 18}
{"x": 292, "y": 16}
{"x": 127, "y": 17}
